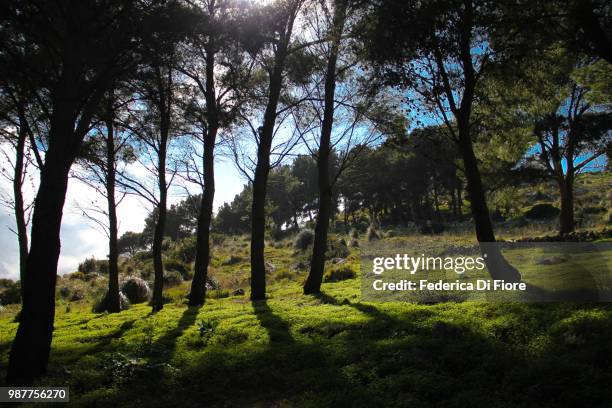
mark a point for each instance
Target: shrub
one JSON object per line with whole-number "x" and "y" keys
{"x": 371, "y": 233}
{"x": 542, "y": 212}
{"x": 218, "y": 293}
{"x": 101, "y": 305}
{"x": 353, "y": 243}
{"x": 432, "y": 228}
{"x": 354, "y": 233}
{"x": 186, "y": 249}
{"x": 217, "y": 239}
{"x": 212, "y": 283}
{"x": 232, "y": 260}
{"x": 91, "y": 276}
{"x": 77, "y": 295}
{"x": 339, "y": 273}
{"x": 391, "y": 234}
{"x": 11, "y": 294}
{"x": 173, "y": 278}
{"x": 136, "y": 290}
{"x": 518, "y": 222}
{"x": 77, "y": 276}
{"x": 65, "y": 292}
{"x": 304, "y": 239}
{"x": 88, "y": 265}
{"x": 178, "y": 266}
{"x": 610, "y": 216}
{"x": 336, "y": 248}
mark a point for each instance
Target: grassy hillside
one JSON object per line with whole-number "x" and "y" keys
{"x": 328, "y": 350}
{"x": 333, "y": 350}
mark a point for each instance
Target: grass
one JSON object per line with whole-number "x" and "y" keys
{"x": 332, "y": 350}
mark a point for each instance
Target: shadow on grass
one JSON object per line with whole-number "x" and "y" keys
{"x": 390, "y": 360}
{"x": 166, "y": 344}
{"x": 278, "y": 329}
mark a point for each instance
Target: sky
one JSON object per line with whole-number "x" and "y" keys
{"x": 81, "y": 238}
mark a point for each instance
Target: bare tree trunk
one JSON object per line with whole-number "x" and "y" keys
{"x": 476, "y": 193}
{"x": 197, "y": 295}
{"x": 566, "y": 218}
{"x": 160, "y": 226}
{"x": 317, "y": 263}
{"x": 20, "y": 218}
{"x": 32, "y": 343}
{"x": 113, "y": 304}
{"x": 262, "y": 169}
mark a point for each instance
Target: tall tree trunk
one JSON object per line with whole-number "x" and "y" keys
{"x": 32, "y": 343}
{"x": 113, "y": 304}
{"x": 566, "y": 218}
{"x": 317, "y": 263}
{"x": 160, "y": 226}
{"x": 262, "y": 169}
{"x": 198, "y": 285}
{"x": 20, "y": 218}
{"x": 476, "y": 193}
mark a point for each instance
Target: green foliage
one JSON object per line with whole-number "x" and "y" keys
{"x": 336, "y": 248}
{"x": 339, "y": 273}
{"x": 130, "y": 243}
{"x": 10, "y": 292}
{"x": 178, "y": 266}
{"x": 542, "y": 212}
{"x": 172, "y": 278}
{"x": 304, "y": 239}
{"x": 93, "y": 265}
{"x": 136, "y": 290}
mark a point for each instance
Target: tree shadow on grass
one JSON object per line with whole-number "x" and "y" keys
{"x": 165, "y": 345}
{"x": 278, "y": 329}
{"x": 102, "y": 344}
{"x": 391, "y": 359}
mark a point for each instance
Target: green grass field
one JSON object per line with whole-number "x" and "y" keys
{"x": 331, "y": 350}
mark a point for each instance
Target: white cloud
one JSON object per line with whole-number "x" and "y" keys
{"x": 81, "y": 237}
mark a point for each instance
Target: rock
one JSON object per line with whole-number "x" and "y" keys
{"x": 77, "y": 295}
{"x": 270, "y": 268}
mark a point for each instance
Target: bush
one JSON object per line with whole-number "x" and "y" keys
{"x": 336, "y": 248}
{"x": 304, "y": 239}
{"x": 178, "y": 266}
{"x": 186, "y": 249}
{"x": 136, "y": 290}
{"x": 101, "y": 305}
{"x": 542, "y": 212}
{"x": 339, "y": 273}
{"x": 610, "y": 216}
{"x": 77, "y": 295}
{"x": 212, "y": 283}
{"x": 88, "y": 265}
{"x": 77, "y": 276}
{"x": 173, "y": 278}
{"x": 518, "y": 222}
{"x": 354, "y": 233}
{"x": 432, "y": 228}
{"x": 218, "y": 294}
{"x": 391, "y": 234}
{"x": 232, "y": 260}
{"x": 372, "y": 234}
{"x": 11, "y": 294}
{"x": 353, "y": 243}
